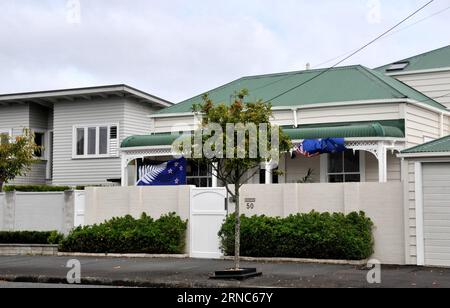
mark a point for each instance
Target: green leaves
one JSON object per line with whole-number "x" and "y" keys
{"x": 16, "y": 156}
{"x": 30, "y": 237}
{"x": 128, "y": 235}
{"x": 313, "y": 235}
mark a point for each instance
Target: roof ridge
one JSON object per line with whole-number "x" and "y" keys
{"x": 392, "y": 89}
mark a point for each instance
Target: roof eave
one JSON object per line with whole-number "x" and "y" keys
{"x": 424, "y": 154}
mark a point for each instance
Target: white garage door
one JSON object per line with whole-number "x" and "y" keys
{"x": 436, "y": 211}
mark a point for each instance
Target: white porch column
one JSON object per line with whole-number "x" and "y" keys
{"x": 382, "y": 163}
{"x": 215, "y": 180}
{"x": 269, "y": 173}
{"x": 124, "y": 170}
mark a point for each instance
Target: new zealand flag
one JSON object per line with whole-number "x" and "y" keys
{"x": 170, "y": 173}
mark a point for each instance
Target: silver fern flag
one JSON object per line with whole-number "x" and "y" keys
{"x": 166, "y": 174}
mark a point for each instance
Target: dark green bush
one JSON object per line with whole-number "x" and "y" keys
{"x": 36, "y": 188}
{"x": 313, "y": 235}
{"x": 28, "y": 237}
{"x": 166, "y": 235}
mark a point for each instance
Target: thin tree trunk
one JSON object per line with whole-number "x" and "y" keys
{"x": 237, "y": 238}
{"x": 1, "y": 186}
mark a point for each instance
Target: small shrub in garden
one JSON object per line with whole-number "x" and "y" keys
{"x": 30, "y": 237}
{"x": 166, "y": 235}
{"x": 36, "y": 188}
{"x": 313, "y": 235}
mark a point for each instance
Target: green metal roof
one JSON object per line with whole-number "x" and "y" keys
{"x": 438, "y": 58}
{"x": 437, "y": 146}
{"x": 149, "y": 140}
{"x": 341, "y": 84}
{"x": 394, "y": 128}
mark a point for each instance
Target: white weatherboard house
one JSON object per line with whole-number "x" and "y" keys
{"x": 377, "y": 115}
{"x": 80, "y": 130}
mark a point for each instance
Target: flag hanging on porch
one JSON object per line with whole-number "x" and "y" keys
{"x": 170, "y": 173}
{"x": 316, "y": 147}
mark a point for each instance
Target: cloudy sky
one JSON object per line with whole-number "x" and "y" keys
{"x": 179, "y": 48}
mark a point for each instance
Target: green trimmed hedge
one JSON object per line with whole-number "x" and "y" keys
{"x": 313, "y": 235}
{"x": 30, "y": 237}
{"x": 166, "y": 235}
{"x": 36, "y": 188}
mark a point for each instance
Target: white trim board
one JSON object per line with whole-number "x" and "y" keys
{"x": 420, "y": 242}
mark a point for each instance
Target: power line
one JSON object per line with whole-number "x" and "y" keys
{"x": 388, "y": 35}
{"x": 354, "y": 53}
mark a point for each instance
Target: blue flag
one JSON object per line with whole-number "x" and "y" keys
{"x": 315, "y": 147}
{"x": 170, "y": 173}
{"x": 324, "y": 146}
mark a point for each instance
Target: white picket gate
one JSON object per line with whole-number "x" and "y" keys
{"x": 207, "y": 214}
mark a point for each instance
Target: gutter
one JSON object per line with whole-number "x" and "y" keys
{"x": 424, "y": 154}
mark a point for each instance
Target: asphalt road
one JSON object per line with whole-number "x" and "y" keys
{"x": 195, "y": 273}
{"x": 28, "y": 285}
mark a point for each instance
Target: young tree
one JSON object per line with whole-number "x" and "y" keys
{"x": 16, "y": 156}
{"x": 233, "y": 142}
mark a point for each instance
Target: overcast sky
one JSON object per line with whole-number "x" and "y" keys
{"x": 179, "y": 48}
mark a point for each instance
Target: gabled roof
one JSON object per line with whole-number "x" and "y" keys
{"x": 341, "y": 84}
{"x": 437, "y": 146}
{"x": 55, "y": 96}
{"x": 435, "y": 59}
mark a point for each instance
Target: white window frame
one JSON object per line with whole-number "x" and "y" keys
{"x": 324, "y": 174}
{"x": 208, "y": 176}
{"x": 97, "y": 141}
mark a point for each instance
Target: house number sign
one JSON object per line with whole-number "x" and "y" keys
{"x": 250, "y": 203}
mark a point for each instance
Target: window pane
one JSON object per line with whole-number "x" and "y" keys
{"x": 92, "y": 134}
{"x": 203, "y": 170}
{"x": 204, "y": 182}
{"x": 103, "y": 140}
{"x": 80, "y": 141}
{"x": 351, "y": 161}
{"x": 336, "y": 178}
{"x": 335, "y": 163}
{"x": 352, "y": 178}
{"x": 39, "y": 141}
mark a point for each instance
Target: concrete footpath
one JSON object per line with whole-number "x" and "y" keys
{"x": 188, "y": 273}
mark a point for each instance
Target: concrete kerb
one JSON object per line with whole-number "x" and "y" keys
{"x": 127, "y": 256}
{"x": 300, "y": 261}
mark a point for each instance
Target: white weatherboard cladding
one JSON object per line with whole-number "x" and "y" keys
{"x": 436, "y": 214}
{"x": 131, "y": 118}
{"x": 431, "y": 84}
{"x": 15, "y": 118}
{"x": 421, "y": 123}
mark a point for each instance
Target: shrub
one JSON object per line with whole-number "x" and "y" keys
{"x": 166, "y": 235}
{"x": 30, "y": 237}
{"x": 313, "y": 235}
{"x": 36, "y": 188}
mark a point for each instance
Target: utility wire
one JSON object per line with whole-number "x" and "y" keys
{"x": 353, "y": 53}
{"x": 388, "y": 35}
